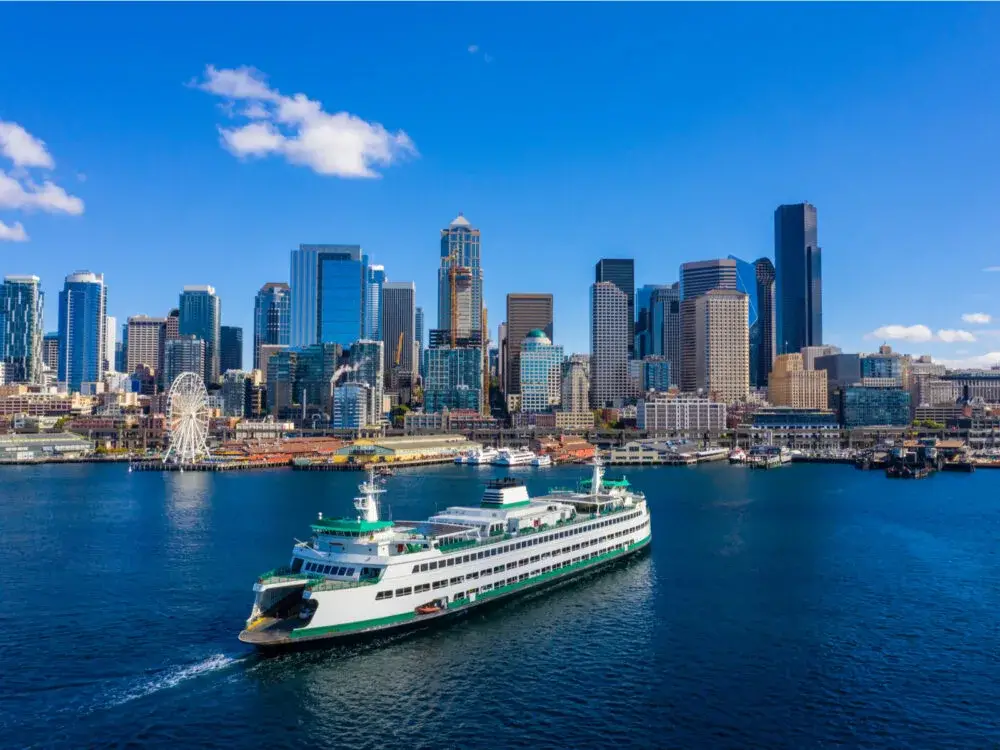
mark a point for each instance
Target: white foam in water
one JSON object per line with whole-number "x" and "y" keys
{"x": 172, "y": 677}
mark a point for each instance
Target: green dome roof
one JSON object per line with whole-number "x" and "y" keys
{"x": 536, "y": 334}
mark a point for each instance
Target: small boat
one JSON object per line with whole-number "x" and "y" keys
{"x": 543, "y": 460}
{"x": 428, "y": 609}
{"x": 514, "y": 457}
{"x": 738, "y": 456}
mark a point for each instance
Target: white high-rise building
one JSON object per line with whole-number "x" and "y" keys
{"x": 576, "y": 383}
{"x": 722, "y": 345}
{"x": 609, "y": 340}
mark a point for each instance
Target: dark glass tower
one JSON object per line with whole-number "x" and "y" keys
{"x": 762, "y": 339}
{"x": 799, "y": 278}
{"x": 621, "y": 273}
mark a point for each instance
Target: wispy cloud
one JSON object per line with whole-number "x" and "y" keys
{"x": 475, "y": 49}
{"x": 975, "y": 362}
{"x": 21, "y": 189}
{"x": 992, "y": 269}
{"x": 918, "y": 334}
{"x": 977, "y": 318}
{"x": 299, "y": 130}
{"x": 13, "y": 233}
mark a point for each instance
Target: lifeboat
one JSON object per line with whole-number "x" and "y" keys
{"x": 428, "y": 609}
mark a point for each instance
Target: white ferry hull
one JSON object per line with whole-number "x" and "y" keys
{"x": 273, "y": 643}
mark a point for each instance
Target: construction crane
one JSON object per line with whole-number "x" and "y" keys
{"x": 399, "y": 349}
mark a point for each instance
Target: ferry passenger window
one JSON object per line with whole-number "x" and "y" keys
{"x": 434, "y": 566}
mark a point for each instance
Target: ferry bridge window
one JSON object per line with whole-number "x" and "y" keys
{"x": 423, "y": 567}
{"x": 350, "y": 571}
{"x": 416, "y": 568}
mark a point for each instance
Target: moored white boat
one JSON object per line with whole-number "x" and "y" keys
{"x": 542, "y": 460}
{"x": 514, "y": 457}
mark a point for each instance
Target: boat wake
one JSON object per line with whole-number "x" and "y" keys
{"x": 168, "y": 678}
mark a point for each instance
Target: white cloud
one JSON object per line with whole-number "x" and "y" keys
{"x": 297, "y": 128}
{"x": 20, "y": 190}
{"x": 976, "y": 362}
{"x": 27, "y": 195}
{"x": 980, "y": 318}
{"x": 916, "y": 334}
{"x": 919, "y": 334}
{"x": 992, "y": 269}
{"x": 950, "y": 336}
{"x": 13, "y": 233}
{"x": 22, "y": 148}
{"x": 473, "y": 49}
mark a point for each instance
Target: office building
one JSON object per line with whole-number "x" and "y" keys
{"x": 810, "y": 353}
{"x": 460, "y": 269}
{"x": 420, "y": 335}
{"x": 799, "y": 278}
{"x": 186, "y": 353}
{"x": 300, "y": 382}
{"x": 862, "y": 406}
{"x": 82, "y": 311}
{"x": 350, "y": 406}
{"x": 146, "y": 341}
{"x": 720, "y": 355}
{"x": 234, "y": 393}
{"x": 841, "y": 369}
{"x": 790, "y": 384}
{"x": 373, "y": 302}
{"x": 652, "y": 311}
{"x": 173, "y": 329}
{"x": 453, "y": 378}
{"x": 575, "y": 387}
{"x": 541, "y": 373}
{"x": 662, "y": 414}
{"x": 885, "y": 366}
{"x": 526, "y": 312}
{"x": 764, "y": 331}
{"x": 230, "y": 348}
{"x": 50, "y": 351}
{"x": 201, "y": 317}
{"x": 110, "y": 342}
{"x": 272, "y": 322}
{"x": 398, "y": 321}
{"x": 621, "y": 273}
{"x": 367, "y": 367}
{"x": 654, "y": 373}
{"x": 328, "y": 294}
{"x": 699, "y": 277}
{"x": 609, "y": 337}
{"x": 21, "y": 333}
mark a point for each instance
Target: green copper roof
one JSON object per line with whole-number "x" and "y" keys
{"x": 346, "y": 525}
{"x": 536, "y": 334}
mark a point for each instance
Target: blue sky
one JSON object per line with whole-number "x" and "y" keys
{"x": 666, "y": 133}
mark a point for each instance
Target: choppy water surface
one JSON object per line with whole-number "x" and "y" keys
{"x": 811, "y": 606}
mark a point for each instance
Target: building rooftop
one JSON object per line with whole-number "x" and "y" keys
{"x": 460, "y": 221}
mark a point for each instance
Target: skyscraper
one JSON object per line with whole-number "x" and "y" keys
{"x": 21, "y": 306}
{"x": 50, "y": 351}
{"x": 799, "y": 278}
{"x": 419, "y": 328}
{"x": 621, "y": 272}
{"x": 398, "y": 314}
{"x": 186, "y": 353}
{"x": 110, "y": 342}
{"x": 541, "y": 372}
{"x": 201, "y": 316}
{"x": 609, "y": 337}
{"x": 722, "y": 345}
{"x": 575, "y": 396}
{"x": 763, "y": 341}
{"x": 82, "y": 310}
{"x": 460, "y": 249}
{"x": 146, "y": 340}
{"x": 373, "y": 302}
{"x": 667, "y": 305}
{"x": 525, "y": 313}
{"x": 271, "y": 319}
{"x": 173, "y": 324}
{"x": 454, "y": 378}
{"x": 367, "y": 362}
{"x": 328, "y": 294}
{"x": 300, "y": 382}
{"x": 704, "y": 275}
{"x": 230, "y": 348}
{"x": 647, "y": 340}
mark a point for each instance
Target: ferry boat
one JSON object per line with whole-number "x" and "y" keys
{"x": 477, "y": 457}
{"x": 363, "y": 575}
{"x": 768, "y": 456}
{"x": 514, "y": 457}
{"x": 542, "y": 460}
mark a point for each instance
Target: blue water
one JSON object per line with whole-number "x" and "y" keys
{"x": 807, "y": 607}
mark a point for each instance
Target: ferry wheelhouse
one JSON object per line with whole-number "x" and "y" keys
{"x": 362, "y": 575}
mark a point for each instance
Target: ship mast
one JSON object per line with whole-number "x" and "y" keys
{"x": 595, "y": 478}
{"x": 367, "y": 502}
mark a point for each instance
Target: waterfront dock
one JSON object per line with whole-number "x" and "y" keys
{"x": 158, "y": 465}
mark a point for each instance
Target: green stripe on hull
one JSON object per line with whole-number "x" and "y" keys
{"x": 381, "y": 622}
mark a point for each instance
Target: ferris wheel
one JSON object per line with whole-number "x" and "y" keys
{"x": 187, "y": 419}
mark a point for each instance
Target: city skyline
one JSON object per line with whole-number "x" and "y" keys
{"x": 104, "y": 210}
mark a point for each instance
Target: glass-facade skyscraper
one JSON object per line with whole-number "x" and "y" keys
{"x": 373, "y": 302}
{"x": 763, "y": 339}
{"x": 201, "y": 317}
{"x": 21, "y": 303}
{"x": 799, "y": 278}
{"x": 328, "y": 284}
{"x": 230, "y": 348}
{"x": 454, "y": 378}
{"x": 460, "y": 246}
{"x": 541, "y": 372}
{"x": 649, "y": 320}
{"x": 398, "y": 320}
{"x": 621, "y": 273}
{"x": 82, "y": 310}
{"x": 271, "y": 318}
